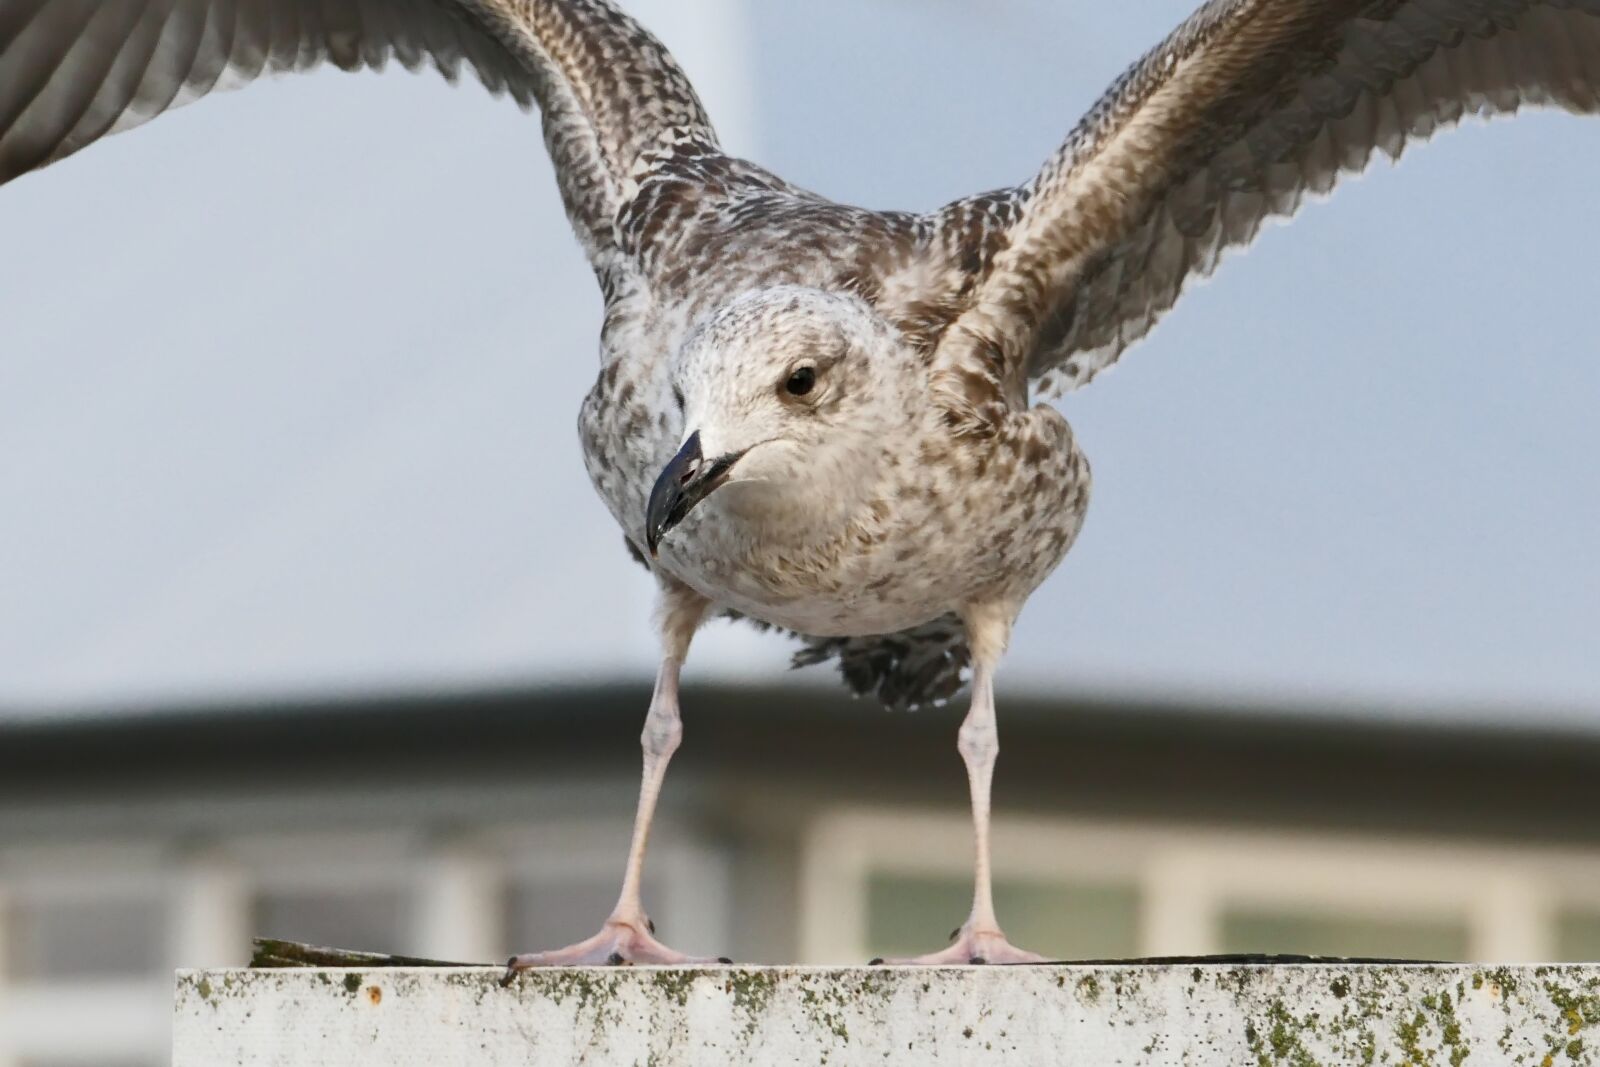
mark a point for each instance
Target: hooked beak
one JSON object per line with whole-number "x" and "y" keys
{"x": 686, "y": 481}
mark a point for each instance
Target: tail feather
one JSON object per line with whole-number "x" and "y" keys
{"x": 925, "y": 665}
{"x": 904, "y": 671}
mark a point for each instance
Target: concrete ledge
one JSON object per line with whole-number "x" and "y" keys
{"x": 1158, "y": 1014}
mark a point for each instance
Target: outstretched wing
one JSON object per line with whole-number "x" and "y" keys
{"x": 73, "y": 71}
{"x": 1247, "y": 108}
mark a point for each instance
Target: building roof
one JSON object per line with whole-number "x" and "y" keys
{"x": 773, "y": 745}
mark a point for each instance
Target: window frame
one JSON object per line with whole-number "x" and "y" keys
{"x": 1186, "y": 876}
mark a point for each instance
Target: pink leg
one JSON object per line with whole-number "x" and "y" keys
{"x": 980, "y": 940}
{"x": 628, "y": 935}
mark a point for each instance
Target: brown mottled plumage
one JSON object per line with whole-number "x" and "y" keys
{"x": 819, "y": 416}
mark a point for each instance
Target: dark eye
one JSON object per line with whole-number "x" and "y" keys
{"x": 802, "y": 381}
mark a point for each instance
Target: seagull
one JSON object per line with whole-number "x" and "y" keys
{"x": 824, "y": 419}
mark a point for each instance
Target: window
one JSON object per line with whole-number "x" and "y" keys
{"x": 1308, "y": 933}
{"x": 892, "y": 882}
{"x": 369, "y": 920}
{"x": 55, "y": 938}
{"x": 907, "y": 915}
{"x": 1578, "y": 936}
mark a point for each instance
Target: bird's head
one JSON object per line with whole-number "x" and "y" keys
{"x": 787, "y": 394}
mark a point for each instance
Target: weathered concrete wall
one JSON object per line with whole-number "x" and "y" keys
{"x": 1423, "y": 1016}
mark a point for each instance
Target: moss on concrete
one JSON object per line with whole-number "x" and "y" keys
{"x": 1268, "y": 1016}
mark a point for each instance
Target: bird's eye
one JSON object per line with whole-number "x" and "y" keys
{"x": 801, "y": 381}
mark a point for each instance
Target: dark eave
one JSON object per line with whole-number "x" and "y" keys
{"x": 1113, "y": 757}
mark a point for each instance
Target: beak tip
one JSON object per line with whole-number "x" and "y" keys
{"x": 685, "y": 481}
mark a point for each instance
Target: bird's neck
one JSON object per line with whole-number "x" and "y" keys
{"x": 795, "y": 522}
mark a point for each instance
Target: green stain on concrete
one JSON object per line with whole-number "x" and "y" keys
{"x": 1389, "y": 1003}
{"x": 1576, "y": 1010}
{"x": 752, "y": 992}
{"x": 1282, "y": 1040}
{"x": 827, "y": 1008}
{"x": 1362, "y": 1016}
{"x": 592, "y": 989}
{"x": 1502, "y": 982}
{"x": 675, "y": 984}
{"x": 1410, "y": 1032}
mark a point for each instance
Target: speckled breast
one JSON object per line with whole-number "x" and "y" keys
{"x": 983, "y": 522}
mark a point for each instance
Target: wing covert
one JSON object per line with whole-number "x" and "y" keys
{"x": 1242, "y": 113}
{"x": 73, "y": 71}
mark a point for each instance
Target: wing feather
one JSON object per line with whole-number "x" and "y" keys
{"x": 74, "y": 71}
{"x": 105, "y": 100}
{"x": 1248, "y": 109}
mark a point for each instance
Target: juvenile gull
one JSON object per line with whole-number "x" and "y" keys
{"x": 820, "y": 417}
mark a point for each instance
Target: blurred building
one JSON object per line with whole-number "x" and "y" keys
{"x": 796, "y": 825}
{"x": 175, "y": 521}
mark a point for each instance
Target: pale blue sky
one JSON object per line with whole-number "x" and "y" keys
{"x": 288, "y": 382}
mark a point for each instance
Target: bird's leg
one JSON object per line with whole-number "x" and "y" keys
{"x": 979, "y": 939}
{"x": 628, "y": 935}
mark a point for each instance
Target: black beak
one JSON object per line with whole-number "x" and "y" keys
{"x": 686, "y": 481}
